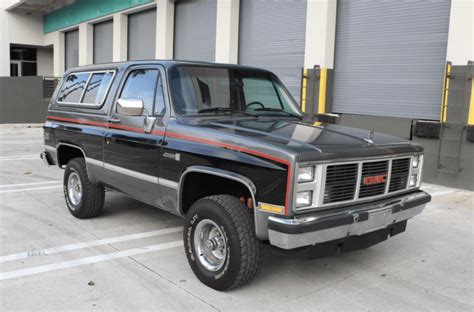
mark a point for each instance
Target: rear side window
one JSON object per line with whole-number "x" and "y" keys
{"x": 97, "y": 87}
{"x": 85, "y": 88}
{"x": 72, "y": 88}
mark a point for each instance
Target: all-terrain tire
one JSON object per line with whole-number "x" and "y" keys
{"x": 243, "y": 249}
{"x": 91, "y": 201}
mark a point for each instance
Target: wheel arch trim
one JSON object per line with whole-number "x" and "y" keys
{"x": 216, "y": 172}
{"x": 87, "y": 160}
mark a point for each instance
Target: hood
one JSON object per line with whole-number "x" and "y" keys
{"x": 309, "y": 141}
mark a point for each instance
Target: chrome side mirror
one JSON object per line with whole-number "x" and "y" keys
{"x": 130, "y": 106}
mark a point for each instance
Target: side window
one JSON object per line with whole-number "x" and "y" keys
{"x": 159, "y": 98}
{"x": 72, "y": 88}
{"x": 97, "y": 87}
{"x": 260, "y": 90}
{"x": 141, "y": 84}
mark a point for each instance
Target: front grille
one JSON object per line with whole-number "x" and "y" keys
{"x": 399, "y": 174}
{"x": 341, "y": 183}
{"x": 359, "y": 180}
{"x": 373, "y": 179}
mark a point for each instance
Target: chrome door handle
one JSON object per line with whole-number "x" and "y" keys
{"x": 113, "y": 120}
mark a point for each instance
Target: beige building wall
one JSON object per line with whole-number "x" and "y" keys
{"x": 45, "y": 61}
{"x": 461, "y": 32}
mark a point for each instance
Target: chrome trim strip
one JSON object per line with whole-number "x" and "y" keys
{"x": 95, "y": 162}
{"x": 168, "y": 183}
{"x": 131, "y": 173}
{"x": 389, "y": 176}
{"x": 121, "y": 170}
{"x": 136, "y": 174}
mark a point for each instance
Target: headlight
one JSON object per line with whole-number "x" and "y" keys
{"x": 304, "y": 199}
{"x": 415, "y": 161}
{"x": 413, "y": 180}
{"x": 305, "y": 174}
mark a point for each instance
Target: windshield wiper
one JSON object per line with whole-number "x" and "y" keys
{"x": 279, "y": 110}
{"x": 224, "y": 110}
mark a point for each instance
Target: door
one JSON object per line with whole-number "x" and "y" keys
{"x": 142, "y": 35}
{"x": 131, "y": 151}
{"x": 272, "y": 35}
{"x": 390, "y": 57}
{"x": 71, "y": 49}
{"x": 15, "y": 68}
{"x": 195, "y": 30}
{"x": 103, "y": 42}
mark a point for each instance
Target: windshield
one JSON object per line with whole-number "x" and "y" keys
{"x": 199, "y": 90}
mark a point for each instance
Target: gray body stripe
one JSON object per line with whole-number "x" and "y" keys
{"x": 134, "y": 174}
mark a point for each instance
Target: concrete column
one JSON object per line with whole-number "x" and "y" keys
{"x": 460, "y": 36}
{"x": 227, "y": 31}
{"x": 4, "y": 44}
{"x": 120, "y": 36}
{"x": 320, "y": 33}
{"x": 56, "y": 39}
{"x": 164, "y": 29}
{"x": 86, "y": 40}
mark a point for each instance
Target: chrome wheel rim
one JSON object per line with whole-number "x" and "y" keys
{"x": 74, "y": 188}
{"x": 210, "y": 245}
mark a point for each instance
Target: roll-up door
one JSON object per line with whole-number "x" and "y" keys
{"x": 71, "y": 47}
{"x": 272, "y": 36}
{"x": 142, "y": 35}
{"x": 103, "y": 42}
{"x": 390, "y": 57}
{"x": 195, "y": 30}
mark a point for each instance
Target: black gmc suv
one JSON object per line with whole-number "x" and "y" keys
{"x": 227, "y": 148}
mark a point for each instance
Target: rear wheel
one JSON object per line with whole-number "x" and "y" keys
{"x": 83, "y": 198}
{"x": 220, "y": 242}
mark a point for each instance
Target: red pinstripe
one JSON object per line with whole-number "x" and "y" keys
{"x": 193, "y": 139}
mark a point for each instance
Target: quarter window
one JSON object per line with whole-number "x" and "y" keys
{"x": 141, "y": 84}
{"x": 75, "y": 91}
{"x": 97, "y": 87}
{"x": 71, "y": 91}
{"x": 159, "y": 98}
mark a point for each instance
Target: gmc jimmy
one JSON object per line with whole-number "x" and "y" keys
{"x": 227, "y": 148}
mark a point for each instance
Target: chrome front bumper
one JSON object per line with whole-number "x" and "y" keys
{"x": 352, "y": 221}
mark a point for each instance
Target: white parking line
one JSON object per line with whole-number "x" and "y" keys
{"x": 21, "y": 142}
{"x": 30, "y": 183}
{"x": 442, "y": 192}
{"x": 70, "y": 247}
{"x": 30, "y": 189}
{"x": 20, "y": 158}
{"x": 88, "y": 260}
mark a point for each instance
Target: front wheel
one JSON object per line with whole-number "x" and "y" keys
{"x": 220, "y": 242}
{"x": 83, "y": 198}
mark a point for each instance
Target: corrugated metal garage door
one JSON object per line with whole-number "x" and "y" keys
{"x": 71, "y": 47}
{"x": 103, "y": 42}
{"x": 272, "y": 36}
{"x": 390, "y": 57}
{"x": 195, "y": 30}
{"x": 142, "y": 35}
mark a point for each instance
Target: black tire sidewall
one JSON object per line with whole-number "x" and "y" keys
{"x": 224, "y": 277}
{"x": 74, "y": 166}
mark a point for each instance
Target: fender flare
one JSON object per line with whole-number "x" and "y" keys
{"x": 77, "y": 147}
{"x": 220, "y": 173}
